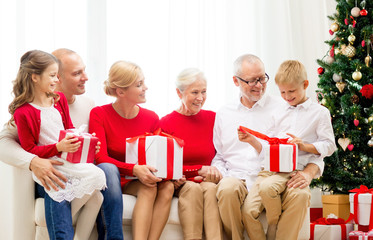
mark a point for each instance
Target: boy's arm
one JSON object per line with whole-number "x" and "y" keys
{"x": 305, "y": 147}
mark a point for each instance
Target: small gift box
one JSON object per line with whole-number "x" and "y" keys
{"x": 358, "y": 235}
{"x": 279, "y": 155}
{"x": 361, "y": 206}
{"x": 331, "y": 228}
{"x": 86, "y": 152}
{"x": 161, "y": 151}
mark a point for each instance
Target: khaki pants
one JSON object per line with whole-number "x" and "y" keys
{"x": 231, "y": 194}
{"x": 286, "y": 207}
{"x": 198, "y": 209}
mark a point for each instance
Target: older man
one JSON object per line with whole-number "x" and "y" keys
{"x": 239, "y": 163}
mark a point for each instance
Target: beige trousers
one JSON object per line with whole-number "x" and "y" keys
{"x": 285, "y": 207}
{"x": 231, "y": 194}
{"x": 198, "y": 209}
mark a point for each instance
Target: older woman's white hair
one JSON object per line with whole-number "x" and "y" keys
{"x": 187, "y": 77}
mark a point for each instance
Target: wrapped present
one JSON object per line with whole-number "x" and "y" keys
{"x": 337, "y": 204}
{"x": 331, "y": 228}
{"x": 86, "y": 152}
{"x": 279, "y": 155}
{"x": 358, "y": 235}
{"x": 361, "y": 206}
{"x": 160, "y": 150}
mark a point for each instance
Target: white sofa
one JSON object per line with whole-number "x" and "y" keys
{"x": 24, "y": 218}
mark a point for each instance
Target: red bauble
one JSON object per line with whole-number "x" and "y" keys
{"x": 363, "y": 43}
{"x": 367, "y": 91}
{"x": 346, "y": 21}
{"x": 331, "y": 32}
{"x": 363, "y": 12}
{"x": 320, "y": 70}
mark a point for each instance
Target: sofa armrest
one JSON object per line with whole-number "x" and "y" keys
{"x": 18, "y": 206}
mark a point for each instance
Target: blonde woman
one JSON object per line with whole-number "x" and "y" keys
{"x": 115, "y": 122}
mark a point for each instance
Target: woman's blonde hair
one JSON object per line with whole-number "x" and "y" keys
{"x": 32, "y": 62}
{"x": 187, "y": 77}
{"x": 122, "y": 74}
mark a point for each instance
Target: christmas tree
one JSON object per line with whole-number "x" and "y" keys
{"x": 346, "y": 89}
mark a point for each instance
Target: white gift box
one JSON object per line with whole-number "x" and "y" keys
{"x": 160, "y": 153}
{"x": 331, "y": 232}
{"x": 280, "y": 157}
{"x": 365, "y": 200}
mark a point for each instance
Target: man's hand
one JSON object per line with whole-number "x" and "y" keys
{"x": 145, "y": 175}
{"x": 47, "y": 174}
{"x": 299, "y": 179}
{"x": 210, "y": 174}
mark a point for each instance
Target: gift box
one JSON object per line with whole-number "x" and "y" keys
{"x": 163, "y": 152}
{"x": 337, "y": 204}
{"x": 330, "y": 229}
{"x": 358, "y": 235}
{"x": 279, "y": 155}
{"x": 361, "y": 206}
{"x": 87, "y": 150}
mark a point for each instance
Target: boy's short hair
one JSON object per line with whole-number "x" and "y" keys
{"x": 291, "y": 71}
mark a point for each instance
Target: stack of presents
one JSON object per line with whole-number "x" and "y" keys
{"x": 344, "y": 216}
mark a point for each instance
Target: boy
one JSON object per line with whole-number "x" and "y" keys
{"x": 309, "y": 126}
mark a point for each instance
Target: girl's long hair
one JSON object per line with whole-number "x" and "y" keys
{"x": 32, "y": 62}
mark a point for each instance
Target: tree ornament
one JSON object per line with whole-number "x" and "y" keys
{"x": 363, "y": 43}
{"x": 337, "y": 77}
{"x": 354, "y": 99}
{"x": 356, "y": 122}
{"x": 370, "y": 119}
{"x": 349, "y": 51}
{"x": 341, "y": 86}
{"x": 334, "y": 27}
{"x": 329, "y": 60}
{"x": 344, "y": 142}
{"x": 351, "y": 39}
{"x": 367, "y": 91}
{"x": 355, "y": 12}
{"x": 368, "y": 60}
{"x": 323, "y": 102}
{"x": 331, "y": 52}
{"x": 363, "y": 12}
{"x": 357, "y": 75}
{"x": 350, "y": 147}
{"x": 370, "y": 142}
{"x": 320, "y": 70}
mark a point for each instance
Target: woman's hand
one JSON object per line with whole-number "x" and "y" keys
{"x": 179, "y": 183}
{"x": 68, "y": 144}
{"x": 98, "y": 144}
{"x": 210, "y": 174}
{"x": 145, "y": 175}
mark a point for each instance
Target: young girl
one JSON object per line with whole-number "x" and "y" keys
{"x": 40, "y": 114}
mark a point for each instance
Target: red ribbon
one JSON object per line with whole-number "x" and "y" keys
{"x": 274, "y": 147}
{"x": 329, "y": 221}
{"x": 358, "y": 191}
{"x": 170, "y": 149}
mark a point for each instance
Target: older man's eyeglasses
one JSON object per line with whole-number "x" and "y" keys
{"x": 253, "y": 82}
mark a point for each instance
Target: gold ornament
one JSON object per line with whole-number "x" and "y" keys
{"x": 337, "y": 51}
{"x": 368, "y": 60}
{"x": 349, "y": 51}
{"x": 334, "y": 27}
{"x": 357, "y": 75}
{"x": 344, "y": 142}
{"x": 341, "y": 86}
{"x": 370, "y": 119}
{"x": 370, "y": 142}
{"x": 351, "y": 38}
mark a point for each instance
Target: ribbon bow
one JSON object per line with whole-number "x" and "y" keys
{"x": 157, "y": 132}
{"x": 329, "y": 221}
{"x": 362, "y": 189}
{"x": 270, "y": 140}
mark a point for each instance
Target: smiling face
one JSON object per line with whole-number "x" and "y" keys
{"x": 251, "y": 71}
{"x": 193, "y": 97}
{"x": 46, "y": 81}
{"x": 135, "y": 93}
{"x": 294, "y": 93}
{"x": 72, "y": 75}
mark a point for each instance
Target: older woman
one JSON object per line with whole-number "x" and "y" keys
{"x": 198, "y": 206}
{"x": 113, "y": 123}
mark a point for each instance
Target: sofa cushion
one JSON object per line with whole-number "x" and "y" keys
{"x": 128, "y": 205}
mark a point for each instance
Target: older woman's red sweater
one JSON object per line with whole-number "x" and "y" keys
{"x": 197, "y": 132}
